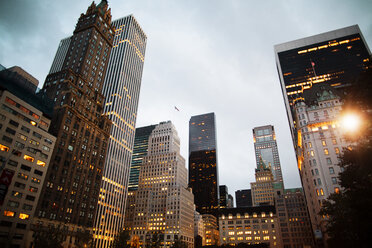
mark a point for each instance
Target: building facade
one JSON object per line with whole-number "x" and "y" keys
{"x": 70, "y": 195}
{"x": 311, "y": 70}
{"x": 203, "y": 172}
{"x": 212, "y": 235}
{"x": 164, "y": 205}
{"x": 121, "y": 91}
{"x": 230, "y": 201}
{"x": 266, "y": 148}
{"x": 243, "y": 198}
{"x": 263, "y": 189}
{"x": 250, "y": 225}
{"x": 26, "y": 148}
{"x": 224, "y": 196}
{"x": 294, "y": 220}
{"x": 140, "y": 149}
{"x": 199, "y": 230}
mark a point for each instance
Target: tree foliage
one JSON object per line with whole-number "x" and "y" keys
{"x": 48, "y": 237}
{"x": 121, "y": 240}
{"x": 349, "y": 212}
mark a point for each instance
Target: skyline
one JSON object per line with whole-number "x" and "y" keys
{"x": 192, "y": 52}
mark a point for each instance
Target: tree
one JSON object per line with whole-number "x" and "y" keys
{"x": 349, "y": 211}
{"x": 48, "y": 237}
{"x": 121, "y": 240}
{"x": 83, "y": 239}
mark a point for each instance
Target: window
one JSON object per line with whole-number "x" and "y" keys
{"x": 321, "y": 191}
{"x": 13, "y": 204}
{"x": 4, "y": 148}
{"x": 13, "y": 123}
{"x": 334, "y": 180}
{"x": 329, "y": 161}
{"x": 337, "y": 190}
{"x": 9, "y": 213}
{"x": 16, "y": 194}
{"x": 24, "y": 216}
{"x": 34, "y": 142}
{"x": 312, "y": 153}
{"x": 319, "y": 181}
{"x": 33, "y": 189}
{"x": 48, "y": 141}
{"x": 334, "y": 141}
{"x": 37, "y": 172}
{"x": 19, "y": 185}
{"x": 326, "y": 152}
{"x": 11, "y": 131}
{"x": 21, "y": 226}
{"x": 316, "y": 172}
{"x": 28, "y": 158}
{"x": 26, "y": 129}
{"x": 22, "y": 176}
{"x": 12, "y": 163}
{"x": 45, "y": 148}
{"x": 30, "y": 198}
{"x": 22, "y": 137}
{"x": 41, "y": 163}
{"x": 337, "y": 150}
{"x": 7, "y": 139}
{"x": 27, "y": 207}
{"x": 25, "y": 167}
{"x": 324, "y": 143}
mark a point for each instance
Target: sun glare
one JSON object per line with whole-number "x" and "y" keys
{"x": 350, "y": 122}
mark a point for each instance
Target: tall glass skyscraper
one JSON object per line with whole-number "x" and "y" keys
{"x": 315, "y": 73}
{"x": 121, "y": 90}
{"x": 203, "y": 173}
{"x": 265, "y": 147}
{"x": 140, "y": 150}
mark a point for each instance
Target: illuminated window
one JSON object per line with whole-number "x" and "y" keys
{"x": 317, "y": 192}
{"x": 337, "y": 150}
{"x": 28, "y": 158}
{"x": 310, "y": 145}
{"x": 23, "y": 216}
{"x": 41, "y": 163}
{"x": 324, "y": 143}
{"x": 9, "y": 213}
{"x": 312, "y": 153}
{"x": 337, "y": 190}
{"x": 4, "y": 148}
{"x": 326, "y": 152}
{"x": 321, "y": 192}
{"x": 33, "y": 189}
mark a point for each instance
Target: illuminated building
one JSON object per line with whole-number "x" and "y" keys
{"x": 121, "y": 90}
{"x": 199, "y": 230}
{"x": 311, "y": 70}
{"x": 212, "y": 235}
{"x": 230, "y": 201}
{"x": 333, "y": 58}
{"x": 203, "y": 173}
{"x": 70, "y": 195}
{"x": 224, "y": 194}
{"x": 250, "y": 225}
{"x": 140, "y": 148}
{"x": 25, "y": 152}
{"x": 265, "y": 147}
{"x": 243, "y": 198}
{"x": 263, "y": 189}
{"x": 320, "y": 142}
{"x": 164, "y": 206}
{"x": 294, "y": 220}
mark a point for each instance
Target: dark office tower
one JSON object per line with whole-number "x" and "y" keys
{"x": 140, "y": 149}
{"x": 70, "y": 194}
{"x": 265, "y": 147}
{"x": 121, "y": 91}
{"x": 224, "y": 196}
{"x": 334, "y": 58}
{"x": 315, "y": 72}
{"x": 243, "y": 198}
{"x": 203, "y": 173}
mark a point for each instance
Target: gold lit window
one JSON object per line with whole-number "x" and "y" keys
{"x": 326, "y": 152}
{"x": 23, "y": 216}
{"x": 4, "y": 148}
{"x": 41, "y": 163}
{"x": 28, "y": 158}
{"x": 9, "y": 213}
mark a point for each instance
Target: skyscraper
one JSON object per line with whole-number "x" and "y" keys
{"x": 70, "y": 195}
{"x": 243, "y": 198}
{"x": 121, "y": 90}
{"x": 315, "y": 72}
{"x": 263, "y": 189}
{"x": 334, "y": 58}
{"x": 265, "y": 147}
{"x": 140, "y": 149}
{"x": 25, "y": 152}
{"x": 164, "y": 206}
{"x": 224, "y": 195}
{"x": 203, "y": 173}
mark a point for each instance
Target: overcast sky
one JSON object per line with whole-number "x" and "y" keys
{"x": 202, "y": 56}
